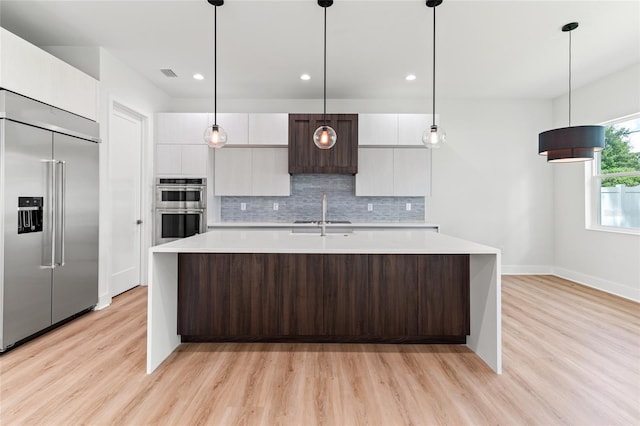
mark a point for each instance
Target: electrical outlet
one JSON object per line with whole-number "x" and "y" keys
{"x": 369, "y": 207}
{"x": 243, "y": 206}
{"x": 408, "y": 207}
{"x": 275, "y": 206}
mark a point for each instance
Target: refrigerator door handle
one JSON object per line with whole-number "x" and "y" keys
{"x": 62, "y": 200}
{"x": 49, "y": 234}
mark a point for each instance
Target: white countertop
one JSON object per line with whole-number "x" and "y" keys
{"x": 408, "y": 241}
{"x": 354, "y": 225}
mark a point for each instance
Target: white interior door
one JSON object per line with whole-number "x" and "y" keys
{"x": 125, "y": 167}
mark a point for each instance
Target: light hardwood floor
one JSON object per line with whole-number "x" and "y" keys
{"x": 571, "y": 356}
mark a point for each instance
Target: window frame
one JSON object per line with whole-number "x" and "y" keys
{"x": 593, "y": 177}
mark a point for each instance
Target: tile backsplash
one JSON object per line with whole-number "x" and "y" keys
{"x": 305, "y": 203}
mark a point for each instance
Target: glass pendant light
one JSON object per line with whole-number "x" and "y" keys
{"x": 573, "y": 143}
{"x": 215, "y": 136}
{"x": 325, "y": 137}
{"x": 434, "y": 136}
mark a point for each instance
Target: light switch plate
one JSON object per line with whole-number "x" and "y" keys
{"x": 369, "y": 207}
{"x": 243, "y": 206}
{"x": 275, "y": 206}
{"x": 408, "y": 207}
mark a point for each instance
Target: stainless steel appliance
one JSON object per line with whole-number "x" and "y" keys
{"x": 49, "y": 208}
{"x": 181, "y": 208}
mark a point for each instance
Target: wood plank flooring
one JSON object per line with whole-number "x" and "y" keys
{"x": 571, "y": 356}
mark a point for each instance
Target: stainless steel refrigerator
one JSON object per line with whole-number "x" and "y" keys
{"x": 49, "y": 208}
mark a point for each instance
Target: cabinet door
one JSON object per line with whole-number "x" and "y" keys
{"x": 254, "y": 295}
{"x": 232, "y": 171}
{"x": 236, "y": 125}
{"x": 375, "y": 172}
{"x": 270, "y": 175}
{"x": 203, "y": 294}
{"x": 412, "y": 172}
{"x": 411, "y": 127}
{"x": 346, "y": 295}
{"x": 195, "y": 160}
{"x": 443, "y": 288}
{"x": 26, "y": 69}
{"x": 305, "y": 157}
{"x": 181, "y": 128}
{"x": 169, "y": 127}
{"x": 393, "y": 287}
{"x": 377, "y": 129}
{"x": 301, "y": 278}
{"x": 168, "y": 160}
{"x": 269, "y": 129}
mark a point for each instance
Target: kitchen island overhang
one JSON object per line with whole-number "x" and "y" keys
{"x": 484, "y": 276}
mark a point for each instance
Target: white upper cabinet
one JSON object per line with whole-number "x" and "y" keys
{"x": 375, "y": 172}
{"x": 270, "y": 172}
{"x": 252, "y": 172}
{"x": 182, "y": 160}
{"x": 181, "y": 128}
{"x": 411, "y": 172}
{"x": 392, "y": 129}
{"x": 411, "y": 127}
{"x": 394, "y": 172}
{"x": 377, "y": 129}
{"x": 194, "y": 160}
{"x": 168, "y": 160}
{"x": 236, "y": 126}
{"x": 30, "y": 71}
{"x": 269, "y": 129}
{"x": 232, "y": 171}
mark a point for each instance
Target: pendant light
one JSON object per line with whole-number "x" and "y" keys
{"x": 434, "y": 136}
{"x": 571, "y": 144}
{"x": 325, "y": 137}
{"x": 215, "y": 136}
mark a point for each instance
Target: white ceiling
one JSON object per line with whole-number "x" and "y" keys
{"x": 486, "y": 49}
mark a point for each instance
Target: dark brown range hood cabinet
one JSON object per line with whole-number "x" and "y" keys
{"x": 305, "y": 157}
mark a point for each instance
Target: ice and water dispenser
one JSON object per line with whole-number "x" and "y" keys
{"x": 29, "y": 214}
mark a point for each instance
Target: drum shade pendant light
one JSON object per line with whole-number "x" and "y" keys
{"x": 434, "y": 136}
{"x": 571, "y": 144}
{"x": 214, "y": 135}
{"x": 325, "y": 137}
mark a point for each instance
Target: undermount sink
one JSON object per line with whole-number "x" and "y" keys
{"x": 314, "y": 227}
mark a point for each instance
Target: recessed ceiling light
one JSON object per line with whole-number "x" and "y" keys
{"x": 410, "y": 77}
{"x": 198, "y": 76}
{"x": 305, "y": 77}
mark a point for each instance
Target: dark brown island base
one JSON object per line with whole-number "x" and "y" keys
{"x": 276, "y": 297}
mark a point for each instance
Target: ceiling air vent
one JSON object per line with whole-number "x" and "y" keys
{"x": 168, "y": 72}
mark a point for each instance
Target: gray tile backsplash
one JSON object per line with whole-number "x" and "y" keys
{"x": 305, "y": 203}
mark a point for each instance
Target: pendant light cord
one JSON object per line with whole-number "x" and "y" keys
{"x": 569, "y": 78}
{"x": 325, "y": 67}
{"x": 434, "y": 67}
{"x": 215, "y": 66}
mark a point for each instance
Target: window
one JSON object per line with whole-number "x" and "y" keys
{"x": 616, "y": 177}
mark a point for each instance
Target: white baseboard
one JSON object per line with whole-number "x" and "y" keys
{"x": 599, "y": 284}
{"x": 526, "y": 270}
{"x": 104, "y": 300}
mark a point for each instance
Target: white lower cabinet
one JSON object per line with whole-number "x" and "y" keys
{"x": 182, "y": 160}
{"x": 252, "y": 172}
{"x": 394, "y": 172}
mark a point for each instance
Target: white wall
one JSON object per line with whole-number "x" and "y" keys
{"x": 489, "y": 183}
{"x": 121, "y": 84}
{"x": 605, "y": 260}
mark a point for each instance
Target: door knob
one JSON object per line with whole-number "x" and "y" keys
{"x": 139, "y": 222}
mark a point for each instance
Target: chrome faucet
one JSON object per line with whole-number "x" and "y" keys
{"x": 323, "y": 222}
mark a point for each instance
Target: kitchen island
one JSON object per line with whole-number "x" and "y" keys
{"x": 380, "y": 251}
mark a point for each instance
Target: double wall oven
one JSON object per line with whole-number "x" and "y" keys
{"x": 181, "y": 208}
